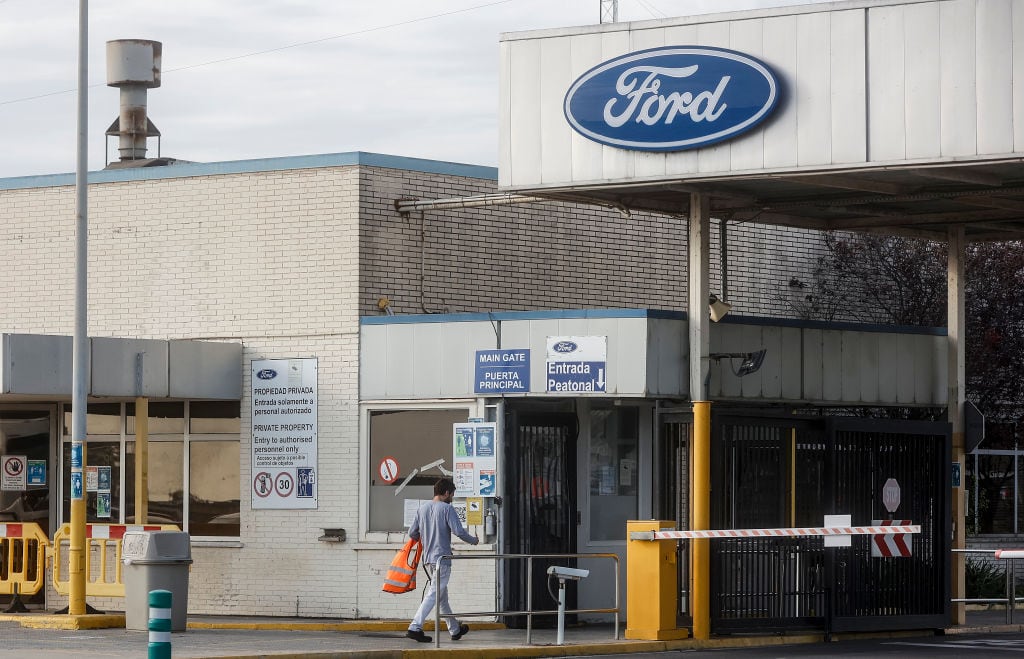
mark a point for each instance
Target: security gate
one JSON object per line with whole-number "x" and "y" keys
{"x": 784, "y": 472}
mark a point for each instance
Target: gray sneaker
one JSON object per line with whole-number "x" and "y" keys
{"x": 418, "y": 636}
{"x": 462, "y": 632}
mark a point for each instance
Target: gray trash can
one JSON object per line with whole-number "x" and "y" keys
{"x": 155, "y": 560}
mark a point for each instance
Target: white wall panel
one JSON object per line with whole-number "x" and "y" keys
{"x": 848, "y": 363}
{"x": 791, "y": 366}
{"x": 921, "y": 52}
{"x": 831, "y": 378}
{"x": 680, "y": 162}
{"x": 714, "y": 158}
{"x": 958, "y": 84}
{"x": 555, "y": 136}
{"x": 886, "y": 108}
{"x": 666, "y": 357}
{"x": 905, "y": 364}
{"x": 426, "y": 371}
{"x": 847, "y": 86}
{"x": 868, "y": 366}
{"x": 525, "y": 108}
{"x": 401, "y": 349}
{"x": 373, "y": 355}
{"x": 505, "y": 88}
{"x": 1018, "y": 76}
{"x": 771, "y": 369}
{"x": 587, "y": 158}
{"x": 813, "y": 373}
{"x": 747, "y": 151}
{"x": 648, "y": 163}
{"x": 995, "y": 75}
{"x": 780, "y": 148}
{"x": 813, "y": 102}
{"x": 616, "y": 163}
{"x": 887, "y": 367}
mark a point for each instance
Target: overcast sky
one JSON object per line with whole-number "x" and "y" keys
{"x": 269, "y": 78}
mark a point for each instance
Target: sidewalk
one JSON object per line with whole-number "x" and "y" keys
{"x": 40, "y": 635}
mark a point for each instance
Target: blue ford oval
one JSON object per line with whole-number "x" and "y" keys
{"x": 266, "y": 374}
{"x": 671, "y": 98}
{"x": 565, "y": 347}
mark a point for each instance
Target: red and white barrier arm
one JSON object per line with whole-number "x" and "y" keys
{"x": 667, "y": 534}
{"x": 1010, "y": 553}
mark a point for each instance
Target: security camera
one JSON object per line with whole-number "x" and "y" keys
{"x": 568, "y": 572}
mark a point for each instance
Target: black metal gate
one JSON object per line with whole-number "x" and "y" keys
{"x": 540, "y": 506}
{"x": 770, "y": 473}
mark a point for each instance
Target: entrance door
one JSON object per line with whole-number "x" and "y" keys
{"x": 540, "y": 507}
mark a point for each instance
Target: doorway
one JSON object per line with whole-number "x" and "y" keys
{"x": 540, "y": 512}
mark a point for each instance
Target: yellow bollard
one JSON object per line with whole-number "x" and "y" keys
{"x": 651, "y": 588}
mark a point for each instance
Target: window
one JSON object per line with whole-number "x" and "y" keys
{"x": 202, "y": 460}
{"x": 413, "y": 438}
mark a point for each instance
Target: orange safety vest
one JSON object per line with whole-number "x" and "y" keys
{"x": 402, "y": 573}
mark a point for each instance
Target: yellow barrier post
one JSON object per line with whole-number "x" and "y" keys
{"x": 700, "y": 551}
{"x": 651, "y": 588}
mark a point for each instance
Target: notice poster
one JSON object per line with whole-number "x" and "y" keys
{"x": 475, "y": 452}
{"x": 284, "y": 433}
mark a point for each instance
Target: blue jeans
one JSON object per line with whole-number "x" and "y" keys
{"x": 437, "y": 590}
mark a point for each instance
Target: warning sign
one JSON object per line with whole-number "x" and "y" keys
{"x": 388, "y": 470}
{"x": 13, "y": 472}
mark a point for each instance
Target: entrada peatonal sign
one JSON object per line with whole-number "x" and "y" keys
{"x": 671, "y": 98}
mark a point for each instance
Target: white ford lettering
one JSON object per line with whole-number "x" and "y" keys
{"x": 700, "y": 106}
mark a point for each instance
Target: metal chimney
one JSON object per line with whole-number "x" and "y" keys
{"x": 133, "y": 65}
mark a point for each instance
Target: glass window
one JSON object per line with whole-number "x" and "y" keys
{"x": 100, "y": 419}
{"x": 413, "y": 438}
{"x": 994, "y": 481}
{"x": 614, "y": 448}
{"x": 27, "y": 433}
{"x": 164, "y": 418}
{"x": 166, "y": 482}
{"x": 213, "y": 505}
{"x": 214, "y": 417}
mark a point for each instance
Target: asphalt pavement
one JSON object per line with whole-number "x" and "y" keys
{"x": 46, "y": 636}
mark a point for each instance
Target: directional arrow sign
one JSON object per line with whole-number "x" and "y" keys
{"x": 576, "y": 364}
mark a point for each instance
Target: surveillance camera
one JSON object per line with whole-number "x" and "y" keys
{"x": 568, "y": 572}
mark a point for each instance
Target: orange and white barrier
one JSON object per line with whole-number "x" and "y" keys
{"x": 22, "y": 558}
{"x": 669, "y": 534}
{"x": 102, "y": 557}
{"x": 1009, "y": 553}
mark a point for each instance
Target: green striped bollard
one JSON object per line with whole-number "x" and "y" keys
{"x": 159, "y": 624}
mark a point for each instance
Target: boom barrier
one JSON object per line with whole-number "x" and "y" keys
{"x": 102, "y": 557}
{"x": 668, "y": 534}
{"x": 22, "y": 558}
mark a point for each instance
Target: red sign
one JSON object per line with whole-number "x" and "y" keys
{"x": 891, "y": 545}
{"x": 388, "y": 470}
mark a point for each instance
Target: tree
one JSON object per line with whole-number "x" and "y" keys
{"x": 902, "y": 281}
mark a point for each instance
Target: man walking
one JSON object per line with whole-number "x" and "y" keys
{"x": 434, "y": 525}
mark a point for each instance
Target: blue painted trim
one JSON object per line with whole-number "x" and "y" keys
{"x": 565, "y": 314}
{"x": 184, "y": 170}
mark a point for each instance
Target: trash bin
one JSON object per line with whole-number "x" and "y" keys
{"x": 155, "y": 560}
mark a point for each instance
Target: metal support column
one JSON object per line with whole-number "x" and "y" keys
{"x": 956, "y": 323}
{"x": 699, "y": 344}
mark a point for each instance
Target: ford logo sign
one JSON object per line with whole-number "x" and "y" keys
{"x": 564, "y": 347}
{"x": 672, "y": 98}
{"x": 266, "y": 374}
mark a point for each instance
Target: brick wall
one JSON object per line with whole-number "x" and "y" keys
{"x": 554, "y": 255}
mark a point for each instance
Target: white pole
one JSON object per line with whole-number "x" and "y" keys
{"x": 80, "y": 349}
{"x": 561, "y": 611}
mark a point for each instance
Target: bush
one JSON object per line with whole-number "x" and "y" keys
{"x": 984, "y": 580}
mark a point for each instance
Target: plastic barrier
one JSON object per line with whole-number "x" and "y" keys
{"x": 103, "y": 541}
{"x": 22, "y": 558}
